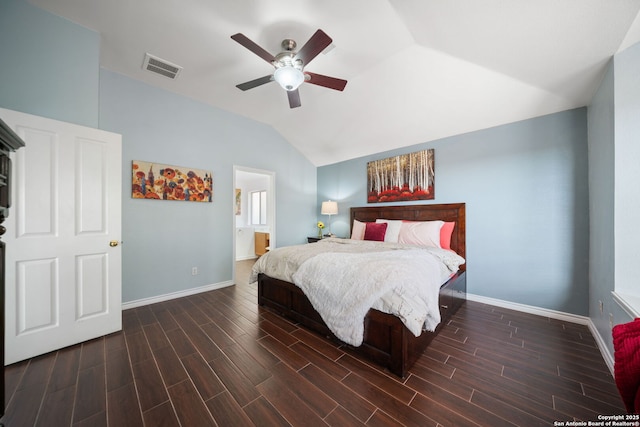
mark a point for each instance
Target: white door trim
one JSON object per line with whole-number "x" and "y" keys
{"x": 271, "y": 208}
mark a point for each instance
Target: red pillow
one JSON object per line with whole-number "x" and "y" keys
{"x": 445, "y": 235}
{"x": 375, "y": 231}
{"x": 626, "y": 346}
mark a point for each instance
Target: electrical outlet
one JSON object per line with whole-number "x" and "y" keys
{"x": 611, "y": 320}
{"x": 601, "y": 307}
{"x": 194, "y": 271}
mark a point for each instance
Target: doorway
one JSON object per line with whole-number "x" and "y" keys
{"x": 254, "y": 216}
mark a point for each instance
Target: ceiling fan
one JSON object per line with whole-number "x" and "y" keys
{"x": 289, "y": 65}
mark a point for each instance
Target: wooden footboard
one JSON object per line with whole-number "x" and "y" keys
{"x": 387, "y": 342}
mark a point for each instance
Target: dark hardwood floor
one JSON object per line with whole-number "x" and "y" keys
{"x": 217, "y": 358}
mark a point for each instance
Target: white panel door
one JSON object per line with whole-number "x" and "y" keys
{"x": 63, "y": 260}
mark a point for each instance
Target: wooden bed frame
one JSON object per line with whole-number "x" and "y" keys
{"x": 387, "y": 342}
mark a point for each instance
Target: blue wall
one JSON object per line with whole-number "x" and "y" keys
{"x": 525, "y": 188}
{"x": 163, "y": 240}
{"x": 614, "y": 130}
{"x": 50, "y": 67}
{"x": 601, "y": 206}
{"x": 627, "y": 174}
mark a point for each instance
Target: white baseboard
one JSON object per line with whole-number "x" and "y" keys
{"x": 604, "y": 350}
{"x": 174, "y": 295}
{"x": 553, "y": 314}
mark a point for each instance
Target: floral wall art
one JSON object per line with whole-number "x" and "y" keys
{"x": 402, "y": 178}
{"x": 164, "y": 182}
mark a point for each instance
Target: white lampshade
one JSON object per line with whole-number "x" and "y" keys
{"x": 288, "y": 77}
{"x": 329, "y": 208}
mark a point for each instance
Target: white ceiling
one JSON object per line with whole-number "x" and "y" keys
{"x": 417, "y": 70}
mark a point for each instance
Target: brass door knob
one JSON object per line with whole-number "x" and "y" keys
{"x": 113, "y": 243}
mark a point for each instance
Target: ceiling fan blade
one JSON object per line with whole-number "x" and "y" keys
{"x": 254, "y": 83}
{"x": 294, "y": 98}
{"x": 316, "y": 44}
{"x": 253, "y": 47}
{"x": 326, "y": 81}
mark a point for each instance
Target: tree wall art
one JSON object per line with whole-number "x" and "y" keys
{"x": 402, "y": 178}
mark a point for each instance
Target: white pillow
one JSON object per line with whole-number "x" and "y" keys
{"x": 357, "y": 230}
{"x": 421, "y": 233}
{"x": 393, "y": 229}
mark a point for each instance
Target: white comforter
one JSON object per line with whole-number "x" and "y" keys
{"x": 344, "y": 278}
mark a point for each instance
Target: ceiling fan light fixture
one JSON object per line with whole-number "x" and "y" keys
{"x": 289, "y": 77}
{"x": 289, "y": 65}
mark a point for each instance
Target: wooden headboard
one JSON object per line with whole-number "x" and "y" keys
{"x": 446, "y": 212}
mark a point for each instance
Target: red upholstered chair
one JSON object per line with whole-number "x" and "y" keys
{"x": 626, "y": 345}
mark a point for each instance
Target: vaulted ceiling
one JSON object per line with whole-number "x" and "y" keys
{"x": 417, "y": 70}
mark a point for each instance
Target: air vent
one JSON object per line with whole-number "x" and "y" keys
{"x": 160, "y": 66}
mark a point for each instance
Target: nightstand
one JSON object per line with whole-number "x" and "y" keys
{"x": 315, "y": 239}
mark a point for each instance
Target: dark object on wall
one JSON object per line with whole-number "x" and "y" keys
{"x": 9, "y": 141}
